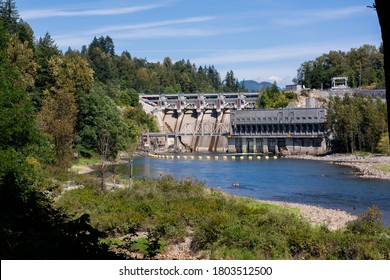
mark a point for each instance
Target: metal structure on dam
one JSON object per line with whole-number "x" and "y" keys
{"x": 201, "y": 101}
{"x": 228, "y": 122}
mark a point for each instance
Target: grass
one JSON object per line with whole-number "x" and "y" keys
{"x": 362, "y": 153}
{"x": 383, "y": 167}
{"x": 87, "y": 161}
{"x": 227, "y": 227}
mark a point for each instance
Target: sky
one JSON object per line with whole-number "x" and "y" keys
{"x": 261, "y": 40}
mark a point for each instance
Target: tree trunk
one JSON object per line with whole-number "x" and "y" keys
{"x": 383, "y": 10}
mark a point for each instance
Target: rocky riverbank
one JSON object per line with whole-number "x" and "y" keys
{"x": 372, "y": 166}
{"x": 331, "y": 218}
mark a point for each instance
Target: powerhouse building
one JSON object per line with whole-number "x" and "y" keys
{"x": 287, "y": 131}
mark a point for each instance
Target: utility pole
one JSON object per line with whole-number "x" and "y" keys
{"x": 131, "y": 174}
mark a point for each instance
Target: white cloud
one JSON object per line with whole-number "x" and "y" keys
{"x": 158, "y": 33}
{"x": 145, "y": 25}
{"x": 276, "y": 79}
{"x": 46, "y": 13}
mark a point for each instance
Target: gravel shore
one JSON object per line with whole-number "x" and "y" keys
{"x": 366, "y": 166}
{"x": 331, "y": 218}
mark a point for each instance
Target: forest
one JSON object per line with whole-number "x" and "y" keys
{"x": 364, "y": 67}
{"x": 56, "y": 106}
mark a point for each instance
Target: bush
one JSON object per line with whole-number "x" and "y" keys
{"x": 383, "y": 145}
{"x": 368, "y": 223}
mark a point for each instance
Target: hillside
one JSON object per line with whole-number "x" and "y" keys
{"x": 253, "y": 86}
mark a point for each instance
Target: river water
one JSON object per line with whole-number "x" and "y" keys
{"x": 290, "y": 180}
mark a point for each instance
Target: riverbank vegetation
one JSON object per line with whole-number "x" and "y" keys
{"x": 220, "y": 226}
{"x": 358, "y": 123}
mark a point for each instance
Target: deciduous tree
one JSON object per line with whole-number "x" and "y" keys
{"x": 57, "y": 119}
{"x": 21, "y": 58}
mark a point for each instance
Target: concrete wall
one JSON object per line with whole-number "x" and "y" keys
{"x": 287, "y": 146}
{"x": 174, "y": 122}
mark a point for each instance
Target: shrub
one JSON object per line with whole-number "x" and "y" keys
{"x": 368, "y": 223}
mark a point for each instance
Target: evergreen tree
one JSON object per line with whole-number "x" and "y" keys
{"x": 9, "y": 15}
{"x": 45, "y": 49}
{"x": 356, "y": 123}
{"x": 101, "y": 56}
{"x": 230, "y": 82}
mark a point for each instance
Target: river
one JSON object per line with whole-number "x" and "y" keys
{"x": 291, "y": 180}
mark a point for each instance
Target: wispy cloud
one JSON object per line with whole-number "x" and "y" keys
{"x": 310, "y": 16}
{"x": 47, "y": 13}
{"x": 259, "y": 55}
{"x": 77, "y": 40}
{"x": 158, "y": 33}
{"x": 174, "y": 28}
{"x": 275, "y": 54}
{"x": 151, "y": 24}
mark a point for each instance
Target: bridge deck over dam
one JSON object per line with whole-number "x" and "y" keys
{"x": 227, "y": 122}
{"x": 201, "y": 101}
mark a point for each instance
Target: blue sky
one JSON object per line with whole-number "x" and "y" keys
{"x": 263, "y": 40}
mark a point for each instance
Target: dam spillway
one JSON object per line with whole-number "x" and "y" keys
{"x": 199, "y": 121}
{"x": 228, "y": 122}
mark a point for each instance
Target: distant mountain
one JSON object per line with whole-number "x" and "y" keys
{"x": 253, "y": 86}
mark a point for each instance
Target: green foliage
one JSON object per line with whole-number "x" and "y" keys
{"x": 20, "y": 56}
{"x": 363, "y": 66}
{"x": 383, "y": 144}
{"x": 125, "y": 73}
{"x": 226, "y": 227}
{"x": 383, "y": 167}
{"x": 98, "y": 114}
{"x": 152, "y": 243}
{"x": 18, "y": 130}
{"x": 368, "y": 223}
{"x": 32, "y": 229}
{"x": 45, "y": 50}
{"x": 231, "y": 84}
{"x": 139, "y": 122}
{"x": 356, "y": 122}
{"x": 9, "y": 15}
{"x": 272, "y": 97}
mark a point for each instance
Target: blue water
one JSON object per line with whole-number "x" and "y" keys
{"x": 291, "y": 180}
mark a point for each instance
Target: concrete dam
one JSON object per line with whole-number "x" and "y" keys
{"x": 227, "y": 122}
{"x": 194, "y": 122}
{"x": 195, "y": 130}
